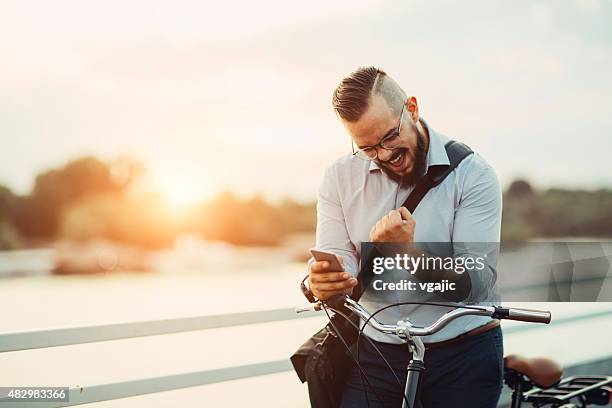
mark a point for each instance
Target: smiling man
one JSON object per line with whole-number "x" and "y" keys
{"x": 360, "y": 200}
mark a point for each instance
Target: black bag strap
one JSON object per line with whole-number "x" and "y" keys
{"x": 435, "y": 175}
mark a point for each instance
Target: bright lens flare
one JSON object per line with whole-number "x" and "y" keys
{"x": 181, "y": 195}
{"x": 182, "y": 191}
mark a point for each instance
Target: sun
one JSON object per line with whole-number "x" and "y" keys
{"x": 181, "y": 195}
{"x": 182, "y": 191}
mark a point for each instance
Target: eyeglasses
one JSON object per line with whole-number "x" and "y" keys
{"x": 388, "y": 142}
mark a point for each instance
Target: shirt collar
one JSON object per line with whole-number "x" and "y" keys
{"x": 436, "y": 154}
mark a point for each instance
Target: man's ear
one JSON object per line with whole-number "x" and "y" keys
{"x": 412, "y": 108}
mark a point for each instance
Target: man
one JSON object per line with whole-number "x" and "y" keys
{"x": 360, "y": 200}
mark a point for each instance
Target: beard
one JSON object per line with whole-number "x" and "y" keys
{"x": 419, "y": 167}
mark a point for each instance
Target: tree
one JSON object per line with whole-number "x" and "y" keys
{"x": 37, "y": 215}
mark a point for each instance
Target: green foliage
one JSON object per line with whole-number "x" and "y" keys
{"x": 555, "y": 213}
{"x": 9, "y": 237}
{"x": 576, "y": 213}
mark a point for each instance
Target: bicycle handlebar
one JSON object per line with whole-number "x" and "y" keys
{"x": 404, "y": 328}
{"x": 523, "y": 315}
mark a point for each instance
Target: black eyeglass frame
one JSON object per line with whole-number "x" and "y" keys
{"x": 395, "y": 134}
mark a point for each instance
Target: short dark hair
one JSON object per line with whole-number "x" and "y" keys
{"x": 351, "y": 97}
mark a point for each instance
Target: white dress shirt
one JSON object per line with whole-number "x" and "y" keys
{"x": 464, "y": 208}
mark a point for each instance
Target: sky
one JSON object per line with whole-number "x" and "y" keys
{"x": 230, "y": 95}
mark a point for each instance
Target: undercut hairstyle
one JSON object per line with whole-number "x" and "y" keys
{"x": 351, "y": 97}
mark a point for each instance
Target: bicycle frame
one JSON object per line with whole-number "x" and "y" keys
{"x": 404, "y": 330}
{"x": 412, "y": 335}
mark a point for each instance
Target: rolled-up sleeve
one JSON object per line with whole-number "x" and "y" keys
{"x": 476, "y": 229}
{"x": 332, "y": 234}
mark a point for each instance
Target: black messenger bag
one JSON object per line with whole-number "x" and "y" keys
{"x": 324, "y": 360}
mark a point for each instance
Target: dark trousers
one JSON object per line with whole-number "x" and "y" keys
{"x": 466, "y": 374}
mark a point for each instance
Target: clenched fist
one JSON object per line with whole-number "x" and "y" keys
{"x": 397, "y": 226}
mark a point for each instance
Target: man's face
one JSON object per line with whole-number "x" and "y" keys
{"x": 379, "y": 121}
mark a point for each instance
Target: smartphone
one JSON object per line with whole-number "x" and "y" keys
{"x": 329, "y": 257}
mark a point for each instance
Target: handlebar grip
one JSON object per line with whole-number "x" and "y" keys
{"x": 523, "y": 315}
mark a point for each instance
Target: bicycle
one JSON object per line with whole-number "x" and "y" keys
{"x": 537, "y": 381}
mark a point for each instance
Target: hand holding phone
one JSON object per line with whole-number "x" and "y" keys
{"x": 331, "y": 279}
{"x": 334, "y": 263}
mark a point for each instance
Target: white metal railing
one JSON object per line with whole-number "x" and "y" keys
{"x": 10, "y": 342}
{"x": 27, "y": 340}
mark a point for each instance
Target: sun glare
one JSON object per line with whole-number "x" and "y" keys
{"x": 182, "y": 191}
{"x": 181, "y": 195}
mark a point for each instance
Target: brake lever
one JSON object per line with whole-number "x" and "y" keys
{"x": 315, "y": 307}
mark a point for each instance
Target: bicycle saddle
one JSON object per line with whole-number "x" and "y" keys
{"x": 543, "y": 372}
